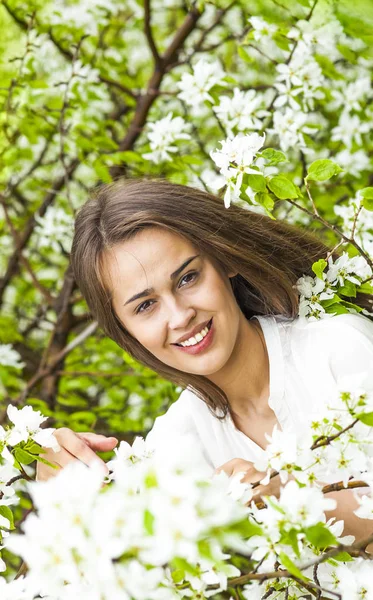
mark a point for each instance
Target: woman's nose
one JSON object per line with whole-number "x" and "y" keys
{"x": 180, "y": 317}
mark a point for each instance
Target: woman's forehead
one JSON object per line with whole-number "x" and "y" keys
{"x": 147, "y": 252}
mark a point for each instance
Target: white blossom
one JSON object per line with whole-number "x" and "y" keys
{"x": 212, "y": 179}
{"x": 13, "y": 590}
{"x": 290, "y": 126}
{"x": 305, "y": 506}
{"x": 349, "y": 129}
{"x": 195, "y": 87}
{"x": 352, "y": 269}
{"x": 312, "y": 291}
{"x": 85, "y": 14}
{"x": 237, "y": 154}
{"x": 352, "y": 162}
{"x": 262, "y": 29}
{"x": 27, "y": 423}
{"x": 353, "y": 95}
{"x": 280, "y": 452}
{"x": 243, "y": 111}
{"x": 355, "y": 215}
{"x": 355, "y": 581}
{"x": 318, "y": 38}
{"x": 54, "y": 229}
{"x": 162, "y": 137}
{"x": 313, "y": 286}
{"x": 10, "y": 357}
{"x": 234, "y": 159}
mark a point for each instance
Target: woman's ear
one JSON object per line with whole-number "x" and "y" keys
{"x": 232, "y": 274}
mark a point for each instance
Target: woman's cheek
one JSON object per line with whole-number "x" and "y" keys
{"x": 151, "y": 337}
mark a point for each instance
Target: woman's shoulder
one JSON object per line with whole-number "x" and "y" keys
{"x": 344, "y": 342}
{"x": 333, "y": 329}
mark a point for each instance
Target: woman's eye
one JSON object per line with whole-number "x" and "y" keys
{"x": 193, "y": 274}
{"x": 144, "y": 306}
{"x": 138, "y": 310}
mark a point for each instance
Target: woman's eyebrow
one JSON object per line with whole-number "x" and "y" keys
{"x": 173, "y": 275}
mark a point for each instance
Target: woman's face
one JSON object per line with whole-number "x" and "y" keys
{"x": 159, "y": 308}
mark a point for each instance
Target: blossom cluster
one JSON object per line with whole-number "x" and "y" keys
{"x": 322, "y": 296}
{"x": 21, "y": 442}
{"x": 152, "y": 514}
{"x": 161, "y": 524}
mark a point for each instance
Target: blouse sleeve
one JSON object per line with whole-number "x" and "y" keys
{"x": 175, "y": 431}
{"x": 351, "y": 346}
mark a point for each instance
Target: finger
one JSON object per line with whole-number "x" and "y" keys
{"x": 253, "y": 476}
{"x": 44, "y": 472}
{"x": 80, "y": 449}
{"x": 98, "y": 442}
{"x": 227, "y": 470}
{"x": 234, "y": 465}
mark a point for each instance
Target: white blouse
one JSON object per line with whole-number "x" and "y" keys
{"x": 306, "y": 360}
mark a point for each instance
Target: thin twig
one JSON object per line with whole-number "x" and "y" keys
{"x": 149, "y": 34}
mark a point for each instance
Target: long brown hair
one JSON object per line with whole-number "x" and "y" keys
{"x": 268, "y": 255}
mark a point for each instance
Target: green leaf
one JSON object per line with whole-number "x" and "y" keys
{"x": 46, "y": 462}
{"x": 322, "y": 169}
{"x": 102, "y": 171}
{"x": 184, "y": 565}
{"x": 247, "y": 528}
{"x": 257, "y": 183}
{"x": 348, "y": 289}
{"x": 282, "y": 41}
{"x": 291, "y": 538}
{"x": 319, "y": 267}
{"x": 320, "y": 536}
{"x": 178, "y": 575}
{"x": 347, "y": 52}
{"x": 7, "y": 513}
{"x": 343, "y": 556}
{"x": 148, "y": 522}
{"x": 282, "y": 187}
{"x": 266, "y": 201}
{"x": 84, "y": 416}
{"x": 242, "y": 53}
{"x": 367, "y": 195}
{"x": 366, "y": 418}
{"x": 24, "y": 457}
{"x": 74, "y": 401}
{"x": 129, "y": 156}
{"x": 366, "y": 288}
{"x": 351, "y": 305}
{"x": 291, "y": 567}
{"x": 335, "y": 309}
{"x": 335, "y": 300}
{"x": 273, "y": 156}
{"x": 327, "y": 66}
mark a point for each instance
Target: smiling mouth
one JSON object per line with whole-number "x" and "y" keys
{"x": 208, "y": 327}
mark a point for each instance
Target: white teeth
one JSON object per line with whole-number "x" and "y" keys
{"x": 197, "y": 338}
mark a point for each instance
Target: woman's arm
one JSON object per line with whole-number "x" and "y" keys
{"x": 353, "y": 525}
{"x": 346, "y": 501}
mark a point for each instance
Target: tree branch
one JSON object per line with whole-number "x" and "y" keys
{"x": 149, "y": 34}
{"x": 144, "y": 102}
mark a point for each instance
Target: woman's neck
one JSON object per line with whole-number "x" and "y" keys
{"x": 245, "y": 377}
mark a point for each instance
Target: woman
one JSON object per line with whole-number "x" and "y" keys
{"x": 205, "y": 297}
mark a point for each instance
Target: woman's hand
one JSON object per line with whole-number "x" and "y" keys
{"x": 239, "y": 465}
{"x": 74, "y": 446}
